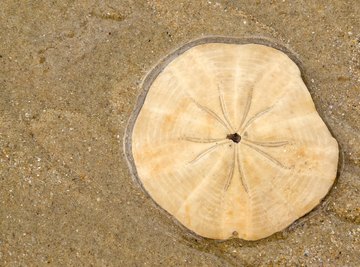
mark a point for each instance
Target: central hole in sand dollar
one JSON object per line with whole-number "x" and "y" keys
{"x": 236, "y": 138}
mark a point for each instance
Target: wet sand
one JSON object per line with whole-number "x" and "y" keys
{"x": 69, "y": 79}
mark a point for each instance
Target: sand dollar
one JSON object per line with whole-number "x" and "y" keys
{"x": 226, "y": 138}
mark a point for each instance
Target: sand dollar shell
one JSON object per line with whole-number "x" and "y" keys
{"x": 228, "y": 140}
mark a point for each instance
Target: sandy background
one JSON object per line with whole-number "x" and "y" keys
{"x": 70, "y": 73}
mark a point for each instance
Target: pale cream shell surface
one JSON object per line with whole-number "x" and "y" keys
{"x": 284, "y": 164}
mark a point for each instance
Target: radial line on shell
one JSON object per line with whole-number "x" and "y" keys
{"x": 224, "y": 109}
{"x": 255, "y": 117}
{"x": 247, "y": 107}
{"x": 268, "y": 144}
{"x": 202, "y": 140}
{"x": 231, "y": 173}
{"x": 266, "y": 155}
{"x": 241, "y": 173}
{"x": 208, "y": 150}
{"x": 211, "y": 113}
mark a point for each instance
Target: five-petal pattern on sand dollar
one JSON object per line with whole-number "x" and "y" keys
{"x": 237, "y": 136}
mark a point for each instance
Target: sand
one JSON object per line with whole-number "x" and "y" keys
{"x": 70, "y": 75}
